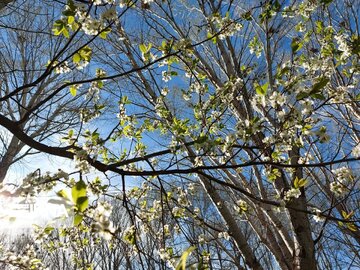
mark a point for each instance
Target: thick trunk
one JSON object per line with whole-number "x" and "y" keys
{"x": 3, "y": 3}
{"x": 304, "y": 250}
{"x": 8, "y": 157}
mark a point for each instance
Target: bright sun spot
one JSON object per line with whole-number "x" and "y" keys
{"x": 21, "y": 213}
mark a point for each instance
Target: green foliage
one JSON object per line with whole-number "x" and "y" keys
{"x": 296, "y": 45}
{"x": 73, "y": 90}
{"x": 261, "y": 89}
{"x": 79, "y": 196}
{"x": 182, "y": 262}
{"x": 299, "y": 183}
{"x": 316, "y": 90}
{"x": 215, "y": 133}
{"x": 60, "y": 27}
{"x": 145, "y": 51}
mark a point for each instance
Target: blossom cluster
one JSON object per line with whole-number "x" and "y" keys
{"x": 101, "y": 220}
{"x": 241, "y": 207}
{"x": 292, "y": 193}
{"x": 28, "y": 260}
{"x": 343, "y": 178}
{"x": 35, "y": 182}
{"x": 227, "y": 26}
{"x": 81, "y": 163}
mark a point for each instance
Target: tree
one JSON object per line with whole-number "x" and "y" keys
{"x": 27, "y": 46}
{"x": 242, "y": 119}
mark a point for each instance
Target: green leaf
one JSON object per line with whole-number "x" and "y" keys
{"x": 298, "y": 183}
{"x": 247, "y": 16}
{"x": 77, "y": 219}
{"x": 125, "y": 100}
{"x": 56, "y": 31}
{"x": 48, "y": 230}
{"x": 71, "y": 6}
{"x": 355, "y": 44}
{"x": 100, "y": 84}
{"x": 302, "y": 95}
{"x": 71, "y": 19}
{"x": 65, "y": 32}
{"x": 85, "y": 53}
{"x": 104, "y": 34}
{"x": 73, "y": 90}
{"x": 78, "y": 191}
{"x": 322, "y": 82}
{"x": 144, "y": 49}
{"x": 315, "y": 90}
{"x": 212, "y": 37}
{"x": 261, "y": 89}
{"x": 68, "y": 13}
{"x": 296, "y": 45}
{"x": 351, "y": 227}
{"x": 319, "y": 26}
{"x": 347, "y": 215}
{"x": 201, "y": 139}
{"x": 76, "y": 58}
{"x": 82, "y": 203}
{"x": 62, "y": 193}
{"x": 318, "y": 96}
{"x": 276, "y": 6}
{"x": 183, "y": 259}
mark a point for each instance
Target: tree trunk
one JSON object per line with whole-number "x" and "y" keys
{"x": 8, "y": 157}
{"x": 304, "y": 249}
{"x": 3, "y": 3}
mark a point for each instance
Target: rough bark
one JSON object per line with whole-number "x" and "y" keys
{"x": 304, "y": 249}
{"x": 4, "y": 3}
{"x": 8, "y": 157}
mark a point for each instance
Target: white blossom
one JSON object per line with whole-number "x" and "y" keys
{"x": 224, "y": 235}
{"x": 356, "y": 151}
{"x": 338, "y": 189}
{"x": 292, "y": 193}
{"x": 63, "y": 68}
{"x": 343, "y": 175}
{"x": 318, "y": 217}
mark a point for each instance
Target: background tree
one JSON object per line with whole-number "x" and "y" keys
{"x": 27, "y": 46}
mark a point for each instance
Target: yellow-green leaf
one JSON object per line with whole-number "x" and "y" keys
{"x": 183, "y": 259}
{"x": 104, "y": 34}
{"x": 78, "y": 191}
{"x": 62, "y": 193}
{"x": 77, "y": 219}
{"x": 347, "y": 215}
{"x": 142, "y": 48}
{"x": 82, "y": 203}
{"x": 65, "y": 32}
{"x": 71, "y": 19}
{"x": 56, "y": 31}
{"x": 298, "y": 183}
{"x": 73, "y": 90}
{"x": 76, "y": 58}
{"x": 261, "y": 89}
{"x": 351, "y": 227}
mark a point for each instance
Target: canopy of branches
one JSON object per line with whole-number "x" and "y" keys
{"x": 204, "y": 134}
